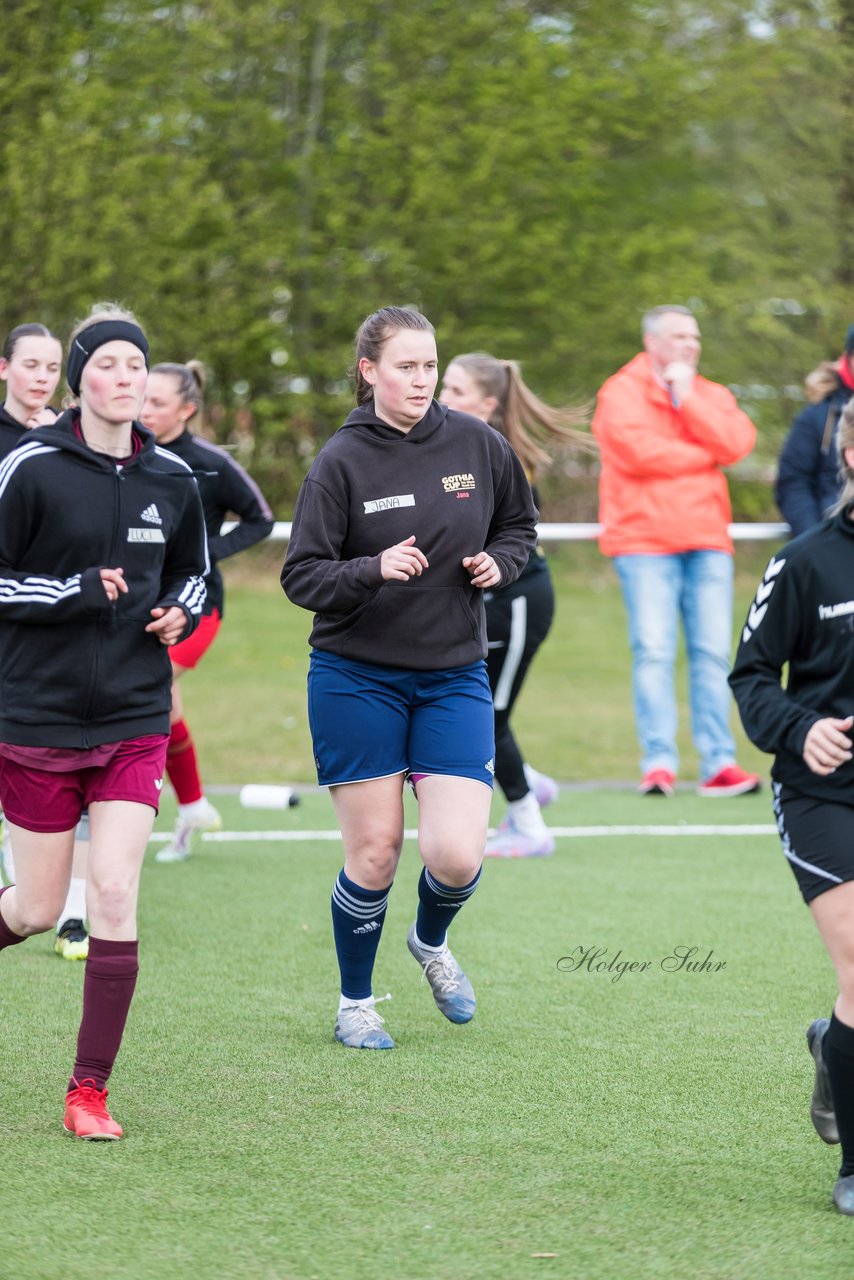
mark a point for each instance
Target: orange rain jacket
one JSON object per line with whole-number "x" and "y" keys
{"x": 661, "y": 490}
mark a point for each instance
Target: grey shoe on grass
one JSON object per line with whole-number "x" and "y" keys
{"x": 821, "y": 1108}
{"x": 359, "y": 1026}
{"x": 452, "y": 991}
{"x": 843, "y": 1195}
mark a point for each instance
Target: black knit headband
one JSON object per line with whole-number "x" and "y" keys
{"x": 87, "y": 343}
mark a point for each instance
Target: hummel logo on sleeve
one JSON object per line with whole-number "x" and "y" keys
{"x": 151, "y": 514}
{"x": 760, "y": 603}
{"x": 841, "y": 610}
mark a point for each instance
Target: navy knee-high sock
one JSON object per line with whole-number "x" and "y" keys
{"x": 357, "y": 923}
{"x": 438, "y": 904}
{"x": 838, "y": 1052}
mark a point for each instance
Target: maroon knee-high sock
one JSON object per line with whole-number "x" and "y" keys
{"x": 108, "y": 987}
{"x": 7, "y": 937}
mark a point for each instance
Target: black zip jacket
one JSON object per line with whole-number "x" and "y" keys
{"x": 455, "y": 484}
{"x": 226, "y": 489}
{"x": 803, "y": 614}
{"x": 11, "y": 432}
{"x": 76, "y": 670}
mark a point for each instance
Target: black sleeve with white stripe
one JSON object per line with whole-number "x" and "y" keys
{"x": 238, "y": 493}
{"x": 772, "y": 719}
{"x": 37, "y": 598}
{"x": 186, "y": 563}
{"x": 26, "y": 596}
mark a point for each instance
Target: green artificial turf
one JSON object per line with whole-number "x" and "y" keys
{"x": 655, "y": 1125}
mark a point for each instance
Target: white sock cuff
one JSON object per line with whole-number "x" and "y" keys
{"x": 346, "y": 1002}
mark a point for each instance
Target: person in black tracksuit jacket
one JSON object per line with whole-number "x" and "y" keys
{"x": 30, "y": 366}
{"x": 102, "y": 562}
{"x": 408, "y": 515}
{"x": 173, "y": 397}
{"x": 803, "y": 616}
{"x": 519, "y": 614}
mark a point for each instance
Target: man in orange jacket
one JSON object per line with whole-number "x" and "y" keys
{"x": 664, "y": 433}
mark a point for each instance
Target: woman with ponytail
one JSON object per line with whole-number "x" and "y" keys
{"x": 408, "y": 515}
{"x": 173, "y": 398}
{"x": 519, "y": 614}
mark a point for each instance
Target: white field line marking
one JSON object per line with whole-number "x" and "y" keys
{"x": 569, "y": 833}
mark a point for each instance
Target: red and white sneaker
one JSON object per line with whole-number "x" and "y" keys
{"x": 86, "y": 1114}
{"x": 658, "y": 782}
{"x": 731, "y": 781}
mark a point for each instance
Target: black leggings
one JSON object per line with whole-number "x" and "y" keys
{"x": 518, "y": 618}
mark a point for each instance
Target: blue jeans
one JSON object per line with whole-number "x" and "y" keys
{"x": 656, "y": 590}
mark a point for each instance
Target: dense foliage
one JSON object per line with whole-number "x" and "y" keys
{"x": 252, "y": 177}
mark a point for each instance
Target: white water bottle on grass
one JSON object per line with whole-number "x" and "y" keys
{"x": 256, "y": 795}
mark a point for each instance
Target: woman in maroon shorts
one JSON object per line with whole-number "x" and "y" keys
{"x": 93, "y": 588}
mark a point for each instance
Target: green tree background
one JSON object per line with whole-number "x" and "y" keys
{"x": 252, "y": 178}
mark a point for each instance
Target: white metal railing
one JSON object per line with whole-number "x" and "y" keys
{"x": 757, "y": 532}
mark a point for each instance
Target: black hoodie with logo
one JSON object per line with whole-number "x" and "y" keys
{"x": 76, "y": 670}
{"x": 454, "y": 483}
{"x": 803, "y": 615}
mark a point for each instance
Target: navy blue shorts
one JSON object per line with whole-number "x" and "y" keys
{"x": 369, "y": 721}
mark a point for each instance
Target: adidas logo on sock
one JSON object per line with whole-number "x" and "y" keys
{"x": 151, "y": 514}
{"x": 367, "y": 928}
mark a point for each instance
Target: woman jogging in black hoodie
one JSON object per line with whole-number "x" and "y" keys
{"x": 408, "y": 514}
{"x": 173, "y": 397}
{"x": 802, "y": 615}
{"x": 102, "y": 558}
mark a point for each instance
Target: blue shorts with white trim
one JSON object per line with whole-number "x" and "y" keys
{"x": 369, "y": 721}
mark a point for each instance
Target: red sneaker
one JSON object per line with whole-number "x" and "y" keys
{"x": 86, "y": 1114}
{"x": 658, "y": 782}
{"x": 731, "y": 781}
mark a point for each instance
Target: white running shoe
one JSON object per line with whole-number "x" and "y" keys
{"x": 545, "y": 789}
{"x": 187, "y": 830}
{"x": 510, "y": 842}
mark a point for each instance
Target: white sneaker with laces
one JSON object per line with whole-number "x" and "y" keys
{"x": 202, "y": 816}
{"x": 451, "y": 989}
{"x": 359, "y": 1026}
